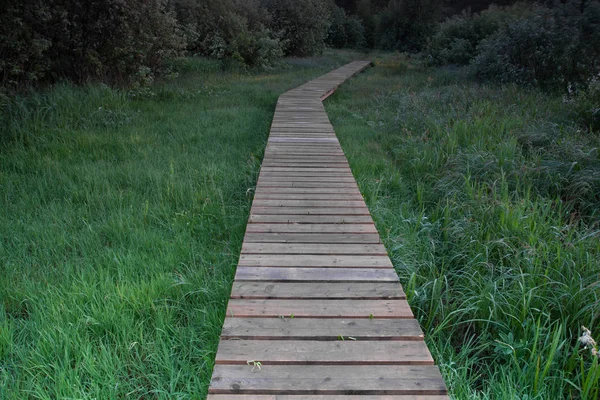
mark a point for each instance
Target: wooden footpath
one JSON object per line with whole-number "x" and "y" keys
{"x": 317, "y": 311}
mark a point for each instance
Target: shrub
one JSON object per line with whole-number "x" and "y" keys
{"x": 113, "y": 40}
{"x": 405, "y": 25}
{"x": 555, "y": 47}
{"x": 345, "y": 30}
{"x": 456, "y": 40}
{"x": 301, "y": 24}
{"x": 229, "y": 29}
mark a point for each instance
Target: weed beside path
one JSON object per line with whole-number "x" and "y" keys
{"x": 121, "y": 219}
{"x": 487, "y": 198}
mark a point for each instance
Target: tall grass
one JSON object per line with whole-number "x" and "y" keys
{"x": 121, "y": 219}
{"x": 487, "y": 198}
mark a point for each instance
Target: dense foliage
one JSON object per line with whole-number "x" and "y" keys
{"x": 112, "y": 40}
{"x": 129, "y": 41}
{"x": 558, "y": 46}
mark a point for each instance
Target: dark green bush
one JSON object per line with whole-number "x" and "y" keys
{"x": 345, "y": 31}
{"x": 301, "y": 24}
{"x": 557, "y": 47}
{"x": 456, "y": 40}
{"x": 113, "y": 40}
{"x": 406, "y": 25}
{"x": 229, "y": 29}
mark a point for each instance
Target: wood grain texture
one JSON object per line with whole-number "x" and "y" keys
{"x": 321, "y": 329}
{"x": 314, "y": 260}
{"x": 317, "y": 290}
{"x": 308, "y": 308}
{"x": 317, "y": 274}
{"x": 322, "y": 379}
{"x": 346, "y": 351}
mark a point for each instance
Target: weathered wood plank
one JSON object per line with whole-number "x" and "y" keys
{"x": 311, "y": 219}
{"x": 274, "y": 308}
{"x": 317, "y": 290}
{"x": 311, "y": 228}
{"x": 315, "y": 352}
{"x": 287, "y": 249}
{"x": 320, "y": 379}
{"x": 265, "y": 195}
{"x": 290, "y": 274}
{"x": 314, "y": 260}
{"x": 256, "y": 210}
{"x": 309, "y": 203}
{"x": 322, "y": 238}
{"x": 353, "y": 190}
{"x": 321, "y": 329}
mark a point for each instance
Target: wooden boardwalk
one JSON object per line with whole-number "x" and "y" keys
{"x": 317, "y": 311}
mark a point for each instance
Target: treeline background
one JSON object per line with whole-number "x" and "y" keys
{"x": 131, "y": 41}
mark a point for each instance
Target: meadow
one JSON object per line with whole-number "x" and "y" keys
{"x": 488, "y": 200}
{"x": 122, "y": 214}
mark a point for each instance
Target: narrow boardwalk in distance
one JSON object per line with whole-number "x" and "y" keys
{"x": 317, "y": 311}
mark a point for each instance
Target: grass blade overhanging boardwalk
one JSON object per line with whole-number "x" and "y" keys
{"x": 316, "y": 309}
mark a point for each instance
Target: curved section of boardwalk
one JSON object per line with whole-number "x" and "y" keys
{"x": 317, "y": 311}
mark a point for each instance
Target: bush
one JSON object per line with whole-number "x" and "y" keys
{"x": 112, "y": 40}
{"x": 406, "y": 25}
{"x": 554, "y": 47}
{"x": 229, "y": 29}
{"x": 345, "y": 31}
{"x": 457, "y": 38}
{"x": 301, "y": 24}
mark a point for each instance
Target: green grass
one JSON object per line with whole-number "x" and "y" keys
{"x": 121, "y": 219}
{"x": 488, "y": 200}
{"x": 122, "y": 214}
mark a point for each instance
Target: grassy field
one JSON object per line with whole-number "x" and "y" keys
{"x": 488, "y": 200}
{"x": 122, "y": 214}
{"x": 121, "y": 219}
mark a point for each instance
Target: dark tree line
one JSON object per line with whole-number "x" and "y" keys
{"x": 130, "y": 41}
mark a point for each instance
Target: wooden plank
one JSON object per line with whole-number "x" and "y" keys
{"x": 300, "y": 175}
{"x": 352, "y": 190}
{"x": 256, "y": 210}
{"x": 322, "y": 379}
{"x": 315, "y": 352}
{"x": 312, "y": 179}
{"x": 311, "y": 228}
{"x": 263, "y": 195}
{"x": 314, "y": 260}
{"x": 317, "y": 290}
{"x": 305, "y": 308}
{"x": 321, "y": 329}
{"x": 309, "y": 203}
{"x": 291, "y": 249}
{"x": 311, "y": 219}
{"x": 288, "y": 274}
{"x": 323, "y": 238}
{"x": 308, "y": 184}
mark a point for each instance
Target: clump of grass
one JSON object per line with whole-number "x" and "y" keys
{"x": 487, "y": 198}
{"x": 121, "y": 220}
